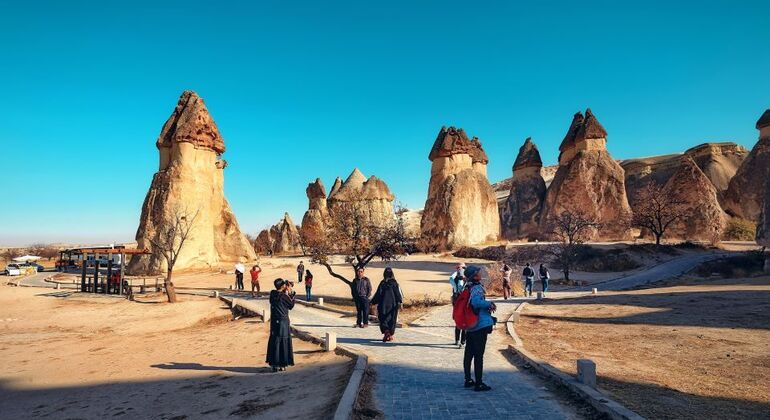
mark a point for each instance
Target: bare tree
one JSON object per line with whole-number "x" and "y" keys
{"x": 44, "y": 251}
{"x": 11, "y": 253}
{"x": 572, "y": 229}
{"x": 169, "y": 242}
{"x": 656, "y": 208}
{"x": 352, "y": 233}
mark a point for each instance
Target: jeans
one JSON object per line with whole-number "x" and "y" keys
{"x": 362, "y": 310}
{"x": 506, "y": 289}
{"x": 239, "y": 280}
{"x": 474, "y": 351}
{"x": 460, "y": 336}
{"x": 544, "y": 280}
{"x": 307, "y": 292}
{"x": 528, "y": 285}
{"x": 299, "y": 277}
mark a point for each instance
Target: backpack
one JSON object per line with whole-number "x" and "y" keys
{"x": 462, "y": 313}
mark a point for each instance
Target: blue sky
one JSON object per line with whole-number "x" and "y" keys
{"x": 302, "y": 90}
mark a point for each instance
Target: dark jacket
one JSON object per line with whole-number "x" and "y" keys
{"x": 387, "y": 298}
{"x": 528, "y": 272}
{"x": 362, "y": 287}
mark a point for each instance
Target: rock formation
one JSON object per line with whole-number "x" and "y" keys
{"x": 705, "y": 219}
{"x": 280, "y": 239}
{"x": 190, "y": 181}
{"x": 317, "y": 215}
{"x": 744, "y": 195}
{"x": 372, "y": 196}
{"x": 521, "y": 214}
{"x": 718, "y": 161}
{"x": 264, "y": 243}
{"x": 588, "y": 181}
{"x": 763, "y": 228}
{"x": 461, "y": 208}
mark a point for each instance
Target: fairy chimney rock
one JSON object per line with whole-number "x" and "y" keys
{"x": 286, "y": 236}
{"x": 588, "y": 181}
{"x": 705, "y": 219}
{"x": 190, "y": 181}
{"x": 317, "y": 215}
{"x": 744, "y": 197}
{"x": 520, "y": 214}
{"x": 371, "y": 195}
{"x": 459, "y": 177}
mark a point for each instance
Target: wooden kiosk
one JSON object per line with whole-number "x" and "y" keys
{"x": 111, "y": 282}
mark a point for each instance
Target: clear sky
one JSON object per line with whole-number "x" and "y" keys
{"x": 313, "y": 89}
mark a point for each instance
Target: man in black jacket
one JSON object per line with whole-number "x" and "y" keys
{"x": 361, "y": 289}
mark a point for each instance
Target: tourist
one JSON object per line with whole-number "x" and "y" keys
{"x": 387, "y": 298}
{"x": 279, "y": 349}
{"x": 477, "y": 336}
{"x": 255, "y": 280}
{"x": 300, "y": 271}
{"x": 544, "y": 277}
{"x": 239, "y": 270}
{"x": 529, "y": 279}
{"x": 308, "y": 284}
{"x": 362, "y": 289}
{"x": 457, "y": 280}
{"x": 506, "y": 270}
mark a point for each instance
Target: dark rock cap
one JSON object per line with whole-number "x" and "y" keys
{"x": 764, "y": 120}
{"x": 477, "y": 153}
{"x": 569, "y": 138}
{"x": 451, "y": 141}
{"x": 528, "y": 156}
{"x": 316, "y": 189}
{"x": 591, "y": 128}
{"x": 191, "y": 122}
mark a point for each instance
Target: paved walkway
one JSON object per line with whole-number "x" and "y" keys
{"x": 419, "y": 375}
{"x": 666, "y": 270}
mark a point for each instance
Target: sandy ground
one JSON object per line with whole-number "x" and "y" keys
{"x": 697, "y": 349}
{"x": 97, "y": 357}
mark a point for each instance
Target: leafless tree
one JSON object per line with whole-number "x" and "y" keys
{"x": 168, "y": 244}
{"x": 656, "y": 208}
{"x": 44, "y": 251}
{"x": 11, "y": 253}
{"x": 352, "y": 233}
{"x": 572, "y": 229}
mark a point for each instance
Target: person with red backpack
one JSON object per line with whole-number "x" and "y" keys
{"x": 473, "y": 313}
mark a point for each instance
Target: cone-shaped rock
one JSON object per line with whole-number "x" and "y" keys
{"x": 371, "y": 196}
{"x": 190, "y": 182}
{"x": 461, "y": 208}
{"x": 286, "y": 236}
{"x": 745, "y": 194}
{"x": 588, "y": 181}
{"x": 763, "y": 228}
{"x": 264, "y": 243}
{"x": 317, "y": 215}
{"x": 521, "y": 213}
{"x": 705, "y": 219}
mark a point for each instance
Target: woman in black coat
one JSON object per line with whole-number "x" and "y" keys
{"x": 279, "y": 350}
{"x": 388, "y": 299}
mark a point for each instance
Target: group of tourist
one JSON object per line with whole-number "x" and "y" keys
{"x": 528, "y": 276}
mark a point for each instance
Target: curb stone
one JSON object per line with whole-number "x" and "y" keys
{"x": 599, "y": 401}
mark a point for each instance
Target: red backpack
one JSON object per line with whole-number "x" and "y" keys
{"x": 462, "y": 312}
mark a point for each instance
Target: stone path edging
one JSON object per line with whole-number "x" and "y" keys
{"x": 347, "y": 402}
{"x": 598, "y": 400}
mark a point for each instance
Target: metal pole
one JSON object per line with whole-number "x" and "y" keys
{"x": 122, "y": 263}
{"x": 96, "y": 272}
{"x": 83, "y": 278}
{"x": 109, "y": 274}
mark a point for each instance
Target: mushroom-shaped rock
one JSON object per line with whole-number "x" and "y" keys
{"x": 190, "y": 183}
{"x": 520, "y": 216}
{"x": 745, "y": 194}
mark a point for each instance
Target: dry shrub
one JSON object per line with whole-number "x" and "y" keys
{"x": 492, "y": 253}
{"x": 738, "y": 229}
{"x": 595, "y": 260}
{"x": 744, "y": 265}
{"x": 425, "y": 302}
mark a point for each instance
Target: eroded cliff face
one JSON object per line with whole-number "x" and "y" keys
{"x": 285, "y": 235}
{"x": 461, "y": 208}
{"x": 317, "y": 216}
{"x": 744, "y": 195}
{"x": 588, "y": 181}
{"x": 520, "y": 216}
{"x": 190, "y": 181}
{"x": 705, "y": 219}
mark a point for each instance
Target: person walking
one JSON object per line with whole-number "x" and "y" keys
{"x": 308, "y": 285}
{"x": 477, "y": 336}
{"x": 280, "y": 353}
{"x": 544, "y": 277}
{"x": 362, "y": 289}
{"x": 239, "y": 270}
{"x": 529, "y": 279}
{"x": 506, "y": 270}
{"x": 255, "y": 280}
{"x": 388, "y": 299}
{"x": 457, "y": 280}
{"x": 300, "y": 271}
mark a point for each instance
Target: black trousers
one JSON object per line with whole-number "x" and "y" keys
{"x": 239, "y": 280}
{"x": 475, "y": 346}
{"x": 362, "y": 310}
{"x": 459, "y": 335}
